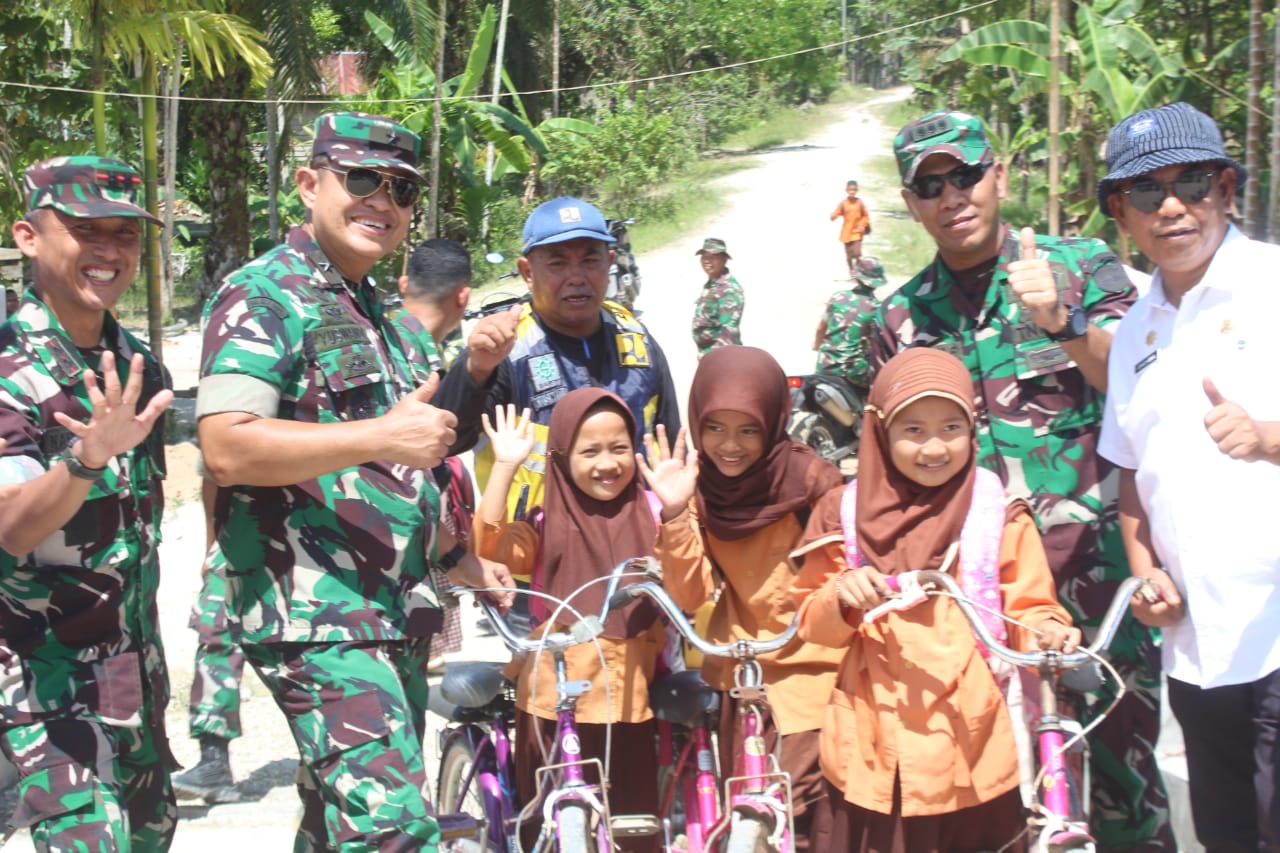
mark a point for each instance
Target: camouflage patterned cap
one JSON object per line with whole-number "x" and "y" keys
{"x": 944, "y": 132}
{"x": 714, "y": 246}
{"x": 359, "y": 139}
{"x": 85, "y": 187}
{"x": 870, "y": 270}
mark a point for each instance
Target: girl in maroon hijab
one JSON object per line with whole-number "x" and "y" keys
{"x": 917, "y": 745}
{"x": 596, "y": 516}
{"x": 730, "y": 517}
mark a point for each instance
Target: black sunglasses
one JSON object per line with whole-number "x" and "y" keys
{"x": 961, "y": 177}
{"x": 362, "y": 183}
{"x": 1191, "y": 187}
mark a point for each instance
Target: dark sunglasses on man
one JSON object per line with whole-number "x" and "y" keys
{"x": 961, "y": 177}
{"x": 1191, "y": 187}
{"x": 362, "y": 183}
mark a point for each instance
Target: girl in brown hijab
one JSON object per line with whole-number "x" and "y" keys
{"x": 917, "y": 744}
{"x": 730, "y": 517}
{"x": 596, "y": 516}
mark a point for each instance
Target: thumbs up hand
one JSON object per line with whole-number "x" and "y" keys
{"x": 416, "y": 432}
{"x": 1228, "y": 424}
{"x": 1032, "y": 282}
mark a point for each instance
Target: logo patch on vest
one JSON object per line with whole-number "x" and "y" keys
{"x": 631, "y": 349}
{"x": 545, "y": 372}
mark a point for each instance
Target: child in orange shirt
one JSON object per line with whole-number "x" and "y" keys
{"x": 918, "y": 746}
{"x": 596, "y": 515}
{"x": 856, "y": 224}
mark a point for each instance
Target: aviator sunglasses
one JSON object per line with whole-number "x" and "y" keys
{"x": 362, "y": 183}
{"x": 961, "y": 177}
{"x": 1191, "y": 187}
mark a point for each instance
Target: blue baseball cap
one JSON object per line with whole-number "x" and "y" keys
{"x": 564, "y": 219}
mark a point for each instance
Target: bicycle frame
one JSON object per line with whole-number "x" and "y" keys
{"x": 1061, "y": 824}
{"x": 492, "y": 770}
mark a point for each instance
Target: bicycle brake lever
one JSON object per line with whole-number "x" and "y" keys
{"x": 910, "y": 593}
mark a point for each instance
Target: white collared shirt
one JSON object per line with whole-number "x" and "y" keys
{"x": 1214, "y": 520}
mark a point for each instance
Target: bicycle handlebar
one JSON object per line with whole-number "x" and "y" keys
{"x": 739, "y": 649}
{"x": 583, "y": 631}
{"x": 1055, "y": 659}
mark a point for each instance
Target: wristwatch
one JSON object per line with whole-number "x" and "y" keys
{"x": 77, "y": 468}
{"x": 1076, "y": 326}
{"x": 451, "y": 559}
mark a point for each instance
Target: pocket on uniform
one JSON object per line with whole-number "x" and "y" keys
{"x": 352, "y": 375}
{"x": 336, "y": 727}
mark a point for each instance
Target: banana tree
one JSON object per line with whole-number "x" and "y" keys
{"x": 1114, "y": 69}
{"x": 409, "y": 90}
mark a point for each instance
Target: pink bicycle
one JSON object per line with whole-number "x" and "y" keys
{"x": 759, "y": 815}
{"x": 1057, "y": 822}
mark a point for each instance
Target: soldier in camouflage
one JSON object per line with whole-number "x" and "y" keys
{"x": 83, "y": 685}
{"x": 717, "y": 314}
{"x": 1031, "y": 316}
{"x": 841, "y": 337}
{"x": 311, "y": 423}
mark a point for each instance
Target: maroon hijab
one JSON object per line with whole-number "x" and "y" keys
{"x": 582, "y": 537}
{"x": 788, "y": 477}
{"x": 901, "y": 524}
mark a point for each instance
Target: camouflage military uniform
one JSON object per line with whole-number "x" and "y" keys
{"x": 1038, "y": 428}
{"x": 82, "y": 670}
{"x": 219, "y": 663}
{"x": 849, "y": 315}
{"x": 717, "y": 315}
{"x": 327, "y": 579}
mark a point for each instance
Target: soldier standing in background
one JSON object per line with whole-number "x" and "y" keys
{"x": 851, "y": 312}
{"x": 84, "y": 686}
{"x": 311, "y": 422}
{"x": 1031, "y": 316}
{"x": 717, "y": 315}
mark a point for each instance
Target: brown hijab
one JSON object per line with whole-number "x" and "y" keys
{"x": 584, "y": 538}
{"x": 788, "y": 477}
{"x": 901, "y": 524}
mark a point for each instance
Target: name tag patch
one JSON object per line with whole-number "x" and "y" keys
{"x": 1146, "y": 362}
{"x": 544, "y": 372}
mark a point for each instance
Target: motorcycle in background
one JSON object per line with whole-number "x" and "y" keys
{"x": 826, "y": 414}
{"x": 624, "y": 275}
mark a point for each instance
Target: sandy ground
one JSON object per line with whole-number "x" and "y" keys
{"x": 787, "y": 256}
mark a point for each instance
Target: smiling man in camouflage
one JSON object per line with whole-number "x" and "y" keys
{"x": 83, "y": 685}
{"x": 311, "y": 417}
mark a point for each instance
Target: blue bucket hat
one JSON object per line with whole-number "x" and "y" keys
{"x": 1164, "y": 136}
{"x": 564, "y": 219}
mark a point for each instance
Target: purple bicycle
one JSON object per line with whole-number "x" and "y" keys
{"x": 476, "y": 776}
{"x": 1057, "y": 822}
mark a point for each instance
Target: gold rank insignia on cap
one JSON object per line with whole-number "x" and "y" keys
{"x": 1226, "y": 327}
{"x": 1151, "y": 337}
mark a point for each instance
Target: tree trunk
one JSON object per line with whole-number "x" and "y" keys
{"x": 273, "y": 166}
{"x": 224, "y": 128}
{"x": 1273, "y": 206}
{"x": 150, "y": 177}
{"x": 1253, "y": 225}
{"x": 173, "y": 78}
{"x": 437, "y": 126}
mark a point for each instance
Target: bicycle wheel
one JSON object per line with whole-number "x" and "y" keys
{"x": 458, "y": 787}
{"x": 747, "y": 835}
{"x": 573, "y": 829}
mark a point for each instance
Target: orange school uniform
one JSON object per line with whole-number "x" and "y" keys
{"x": 914, "y": 697}
{"x": 856, "y": 219}
{"x": 629, "y": 664}
{"x": 757, "y": 604}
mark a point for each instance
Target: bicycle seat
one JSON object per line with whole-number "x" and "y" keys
{"x": 472, "y": 684}
{"x": 683, "y": 698}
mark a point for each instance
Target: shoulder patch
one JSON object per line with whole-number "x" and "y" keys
{"x": 269, "y": 304}
{"x": 1109, "y": 274}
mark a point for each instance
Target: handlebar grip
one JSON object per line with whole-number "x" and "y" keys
{"x": 894, "y": 582}
{"x": 622, "y": 598}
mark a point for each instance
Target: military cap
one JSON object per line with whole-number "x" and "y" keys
{"x": 358, "y": 140}
{"x": 86, "y": 187}
{"x": 943, "y": 132}
{"x": 714, "y": 246}
{"x": 869, "y": 270}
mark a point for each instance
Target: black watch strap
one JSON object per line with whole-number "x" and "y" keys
{"x": 451, "y": 559}
{"x": 77, "y": 468}
{"x": 1076, "y": 326}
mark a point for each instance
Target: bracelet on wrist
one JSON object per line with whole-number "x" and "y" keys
{"x": 77, "y": 468}
{"x": 451, "y": 559}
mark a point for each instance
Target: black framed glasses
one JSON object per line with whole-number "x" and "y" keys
{"x": 362, "y": 183}
{"x": 961, "y": 177}
{"x": 1191, "y": 187}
